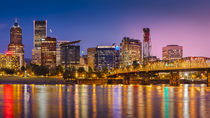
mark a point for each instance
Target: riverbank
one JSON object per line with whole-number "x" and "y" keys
{"x": 60, "y": 80}
{"x": 30, "y": 80}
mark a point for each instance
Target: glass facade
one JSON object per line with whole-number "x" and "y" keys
{"x": 70, "y": 55}
{"x": 40, "y": 32}
{"x": 58, "y": 51}
{"x": 106, "y": 57}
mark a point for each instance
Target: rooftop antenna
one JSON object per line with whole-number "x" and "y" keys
{"x": 16, "y": 20}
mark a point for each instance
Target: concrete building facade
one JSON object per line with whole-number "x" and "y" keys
{"x": 130, "y": 51}
{"x": 172, "y": 52}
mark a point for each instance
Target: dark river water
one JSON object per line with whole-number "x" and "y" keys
{"x": 104, "y": 101}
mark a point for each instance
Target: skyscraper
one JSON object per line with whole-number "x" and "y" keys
{"x": 40, "y": 32}
{"x": 107, "y": 57}
{"x": 130, "y": 51}
{"x": 15, "y": 46}
{"x": 48, "y": 52}
{"x": 172, "y": 52}
{"x": 146, "y": 44}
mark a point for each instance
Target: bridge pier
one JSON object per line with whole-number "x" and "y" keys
{"x": 175, "y": 79}
{"x": 146, "y": 79}
{"x": 126, "y": 80}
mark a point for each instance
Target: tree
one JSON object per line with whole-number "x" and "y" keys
{"x": 41, "y": 70}
{"x": 8, "y": 71}
{"x": 90, "y": 71}
{"x": 104, "y": 70}
{"x": 69, "y": 73}
{"x": 59, "y": 69}
{"x": 81, "y": 70}
{"x": 23, "y": 68}
{"x": 66, "y": 74}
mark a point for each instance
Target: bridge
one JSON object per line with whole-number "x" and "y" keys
{"x": 172, "y": 67}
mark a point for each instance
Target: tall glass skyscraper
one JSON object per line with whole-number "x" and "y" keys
{"x": 40, "y": 32}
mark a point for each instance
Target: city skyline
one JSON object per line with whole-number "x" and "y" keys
{"x": 186, "y": 25}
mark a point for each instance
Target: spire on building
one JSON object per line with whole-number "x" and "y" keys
{"x": 16, "y": 23}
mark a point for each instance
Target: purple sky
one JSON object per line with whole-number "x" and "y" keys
{"x": 103, "y": 22}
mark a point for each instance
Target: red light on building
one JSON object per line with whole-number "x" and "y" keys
{"x": 8, "y": 53}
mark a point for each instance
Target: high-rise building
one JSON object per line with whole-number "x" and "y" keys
{"x": 130, "y": 51}
{"x": 40, "y": 32}
{"x": 91, "y": 57}
{"x": 9, "y": 60}
{"x": 70, "y": 54}
{"x": 172, "y": 52}
{"x": 48, "y": 52}
{"x": 58, "y": 52}
{"x": 146, "y": 44}
{"x": 16, "y": 46}
{"x": 107, "y": 57}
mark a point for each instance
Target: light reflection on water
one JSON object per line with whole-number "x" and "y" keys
{"x": 94, "y": 101}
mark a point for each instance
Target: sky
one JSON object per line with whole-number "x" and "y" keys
{"x": 104, "y": 22}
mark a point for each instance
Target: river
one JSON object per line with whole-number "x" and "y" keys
{"x": 104, "y": 101}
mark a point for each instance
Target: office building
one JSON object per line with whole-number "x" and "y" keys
{"x": 107, "y": 57}
{"x": 48, "y": 52}
{"x": 130, "y": 51}
{"x": 70, "y": 54}
{"x": 40, "y": 32}
{"x": 58, "y": 52}
{"x": 16, "y": 46}
{"x": 172, "y": 52}
{"x": 10, "y": 61}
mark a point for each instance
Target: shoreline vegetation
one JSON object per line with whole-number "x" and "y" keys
{"x": 60, "y": 80}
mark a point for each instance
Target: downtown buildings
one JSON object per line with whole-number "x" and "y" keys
{"x": 44, "y": 52}
{"x": 172, "y": 52}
